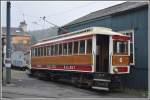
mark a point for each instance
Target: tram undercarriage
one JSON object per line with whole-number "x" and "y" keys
{"x": 98, "y": 81}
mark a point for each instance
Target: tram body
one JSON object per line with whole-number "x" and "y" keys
{"x": 85, "y": 55}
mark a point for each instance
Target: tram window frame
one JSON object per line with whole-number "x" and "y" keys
{"x": 52, "y": 50}
{"x": 80, "y": 48}
{"x": 70, "y": 48}
{"x": 42, "y": 51}
{"x": 130, "y": 33}
{"x": 120, "y": 47}
{"x": 76, "y": 47}
{"x": 49, "y": 50}
{"x": 56, "y": 49}
{"x": 33, "y": 53}
{"x": 65, "y": 44}
{"x": 45, "y": 51}
{"x": 88, "y": 47}
{"x": 60, "y": 49}
{"x": 38, "y": 51}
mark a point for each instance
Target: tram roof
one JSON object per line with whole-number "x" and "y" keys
{"x": 80, "y": 33}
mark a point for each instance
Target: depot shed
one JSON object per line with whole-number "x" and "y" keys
{"x": 130, "y": 18}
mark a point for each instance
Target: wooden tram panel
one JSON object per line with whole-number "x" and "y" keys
{"x": 120, "y": 60}
{"x": 62, "y": 60}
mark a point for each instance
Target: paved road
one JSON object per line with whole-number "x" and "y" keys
{"x": 23, "y": 86}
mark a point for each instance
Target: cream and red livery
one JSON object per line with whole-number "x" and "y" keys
{"x": 89, "y": 56}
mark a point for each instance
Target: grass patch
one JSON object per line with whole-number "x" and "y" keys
{"x": 136, "y": 92}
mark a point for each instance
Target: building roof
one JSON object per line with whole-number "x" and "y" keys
{"x": 14, "y": 31}
{"x": 109, "y": 11}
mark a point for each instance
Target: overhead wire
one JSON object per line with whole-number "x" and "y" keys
{"x": 39, "y": 18}
{"x": 68, "y": 11}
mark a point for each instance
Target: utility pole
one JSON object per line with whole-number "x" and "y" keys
{"x": 8, "y": 46}
{"x": 149, "y": 44}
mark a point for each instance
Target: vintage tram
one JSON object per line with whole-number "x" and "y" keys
{"x": 94, "y": 57}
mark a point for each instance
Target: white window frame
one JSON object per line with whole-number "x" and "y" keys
{"x": 49, "y": 50}
{"x": 45, "y": 53}
{"x": 130, "y": 31}
{"x": 57, "y": 52}
{"x": 60, "y": 44}
{"x": 79, "y": 47}
{"x": 62, "y": 49}
{"x": 39, "y": 51}
{"x": 52, "y": 52}
{"x": 67, "y": 49}
{"x": 32, "y": 51}
{"x": 72, "y": 47}
{"x": 46, "y": 50}
{"x": 85, "y": 46}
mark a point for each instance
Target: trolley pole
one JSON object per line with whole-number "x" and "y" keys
{"x": 8, "y": 46}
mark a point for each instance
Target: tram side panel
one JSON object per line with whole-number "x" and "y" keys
{"x": 80, "y": 63}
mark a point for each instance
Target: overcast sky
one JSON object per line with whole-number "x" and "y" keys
{"x": 57, "y": 12}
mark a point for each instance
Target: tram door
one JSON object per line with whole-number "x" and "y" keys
{"x": 102, "y": 53}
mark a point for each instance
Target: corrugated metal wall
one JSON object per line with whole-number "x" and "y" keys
{"x": 137, "y": 20}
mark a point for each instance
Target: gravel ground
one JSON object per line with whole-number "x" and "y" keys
{"x": 23, "y": 86}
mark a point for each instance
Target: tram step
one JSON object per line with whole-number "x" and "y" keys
{"x": 103, "y": 80}
{"x": 100, "y": 88}
{"x": 102, "y": 76}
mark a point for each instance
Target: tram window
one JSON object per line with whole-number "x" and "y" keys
{"x": 44, "y": 51}
{"x": 82, "y": 46}
{"x": 75, "y": 51}
{"x": 52, "y": 50}
{"x": 60, "y": 49}
{"x": 56, "y": 49}
{"x": 33, "y": 52}
{"x": 48, "y": 50}
{"x": 89, "y": 46}
{"x": 70, "y": 48}
{"x": 120, "y": 47}
{"x": 38, "y": 52}
{"x": 65, "y": 48}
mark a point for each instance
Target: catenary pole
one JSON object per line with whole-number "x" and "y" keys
{"x": 8, "y": 45}
{"x": 149, "y": 47}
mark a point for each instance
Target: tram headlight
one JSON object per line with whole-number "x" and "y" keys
{"x": 115, "y": 70}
